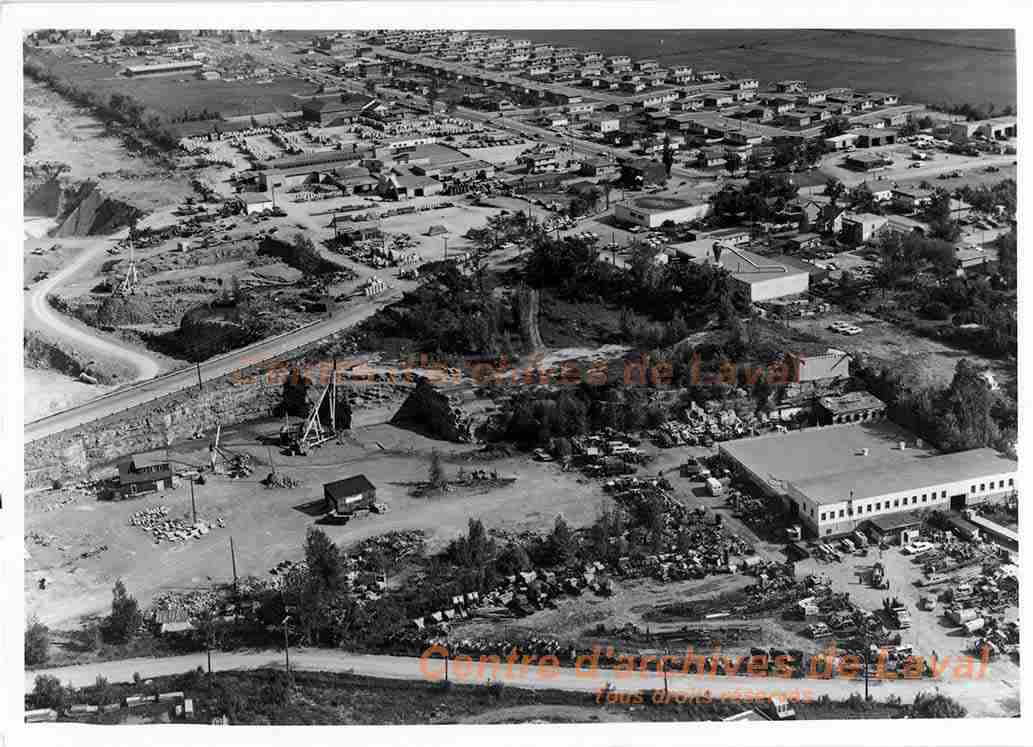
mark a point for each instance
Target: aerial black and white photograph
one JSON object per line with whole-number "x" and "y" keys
{"x": 379, "y": 376}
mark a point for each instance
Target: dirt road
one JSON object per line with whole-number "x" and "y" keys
{"x": 991, "y": 695}
{"x": 54, "y": 323}
{"x": 222, "y": 365}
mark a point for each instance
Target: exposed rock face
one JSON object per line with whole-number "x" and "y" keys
{"x": 46, "y": 200}
{"x": 436, "y": 412}
{"x": 526, "y": 307}
{"x": 93, "y": 213}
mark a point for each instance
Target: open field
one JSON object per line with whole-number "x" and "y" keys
{"x": 173, "y": 95}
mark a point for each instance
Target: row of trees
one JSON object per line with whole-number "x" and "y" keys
{"x": 116, "y": 107}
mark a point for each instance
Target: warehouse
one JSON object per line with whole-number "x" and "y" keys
{"x": 836, "y": 477}
{"x": 163, "y": 68}
{"x": 763, "y": 278}
{"x": 653, "y": 212}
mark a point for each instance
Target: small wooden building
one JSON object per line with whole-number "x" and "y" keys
{"x": 134, "y": 479}
{"x": 349, "y": 495}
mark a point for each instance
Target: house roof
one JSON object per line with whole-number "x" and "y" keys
{"x": 129, "y": 472}
{"x": 355, "y": 485}
{"x": 851, "y": 402}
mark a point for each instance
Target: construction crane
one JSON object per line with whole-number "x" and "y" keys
{"x": 314, "y": 432}
{"x": 221, "y": 459}
{"x": 129, "y": 282}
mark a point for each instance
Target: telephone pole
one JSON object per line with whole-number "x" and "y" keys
{"x": 193, "y": 503}
{"x": 233, "y": 561}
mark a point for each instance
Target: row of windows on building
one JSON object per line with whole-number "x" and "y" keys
{"x": 843, "y": 513}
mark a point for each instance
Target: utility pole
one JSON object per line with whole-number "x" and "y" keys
{"x": 193, "y": 503}
{"x": 286, "y": 647}
{"x": 200, "y": 386}
{"x": 446, "y": 248}
{"x": 233, "y": 561}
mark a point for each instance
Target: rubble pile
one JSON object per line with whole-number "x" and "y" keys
{"x": 607, "y": 454}
{"x": 155, "y": 520}
{"x": 281, "y": 480}
{"x": 185, "y": 604}
{"x": 39, "y": 539}
{"x": 240, "y": 467}
{"x": 716, "y": 422}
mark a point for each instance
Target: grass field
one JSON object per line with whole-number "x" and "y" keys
{"x": 171, "y": 95}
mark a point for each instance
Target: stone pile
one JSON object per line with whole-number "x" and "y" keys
{"x": 281, "y": 480}
{"x": 155, "y": 520}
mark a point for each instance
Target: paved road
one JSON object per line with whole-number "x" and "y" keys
{"x": 56, "y": 324}
{"x": 214, "y": 368}
{"x": 980, "y": 696}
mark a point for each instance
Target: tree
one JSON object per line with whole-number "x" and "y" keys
{"x": 48, "y": 692}
{"x": 435, "y": 472}
{"x": 560, "y": 546}
{"x": 125, "y": 619}
{"x": 37, "y": 643}
{"x": 668, "y": 155}
{"x": 834, "y": 189}
{"x": 861, "y": 199}
{"x": 323, "y": 559}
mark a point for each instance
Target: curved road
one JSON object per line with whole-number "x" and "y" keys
{"x": 982, "y": 696}
{"x": 57, "y": 324}
{"x": 214, "y": 368}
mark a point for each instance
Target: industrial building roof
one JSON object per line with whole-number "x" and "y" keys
{"x": 827, "y": 463}
{"x": 868, "y": 481}
{"x": 659, "y": 204}
{"x": 751, "y": 268}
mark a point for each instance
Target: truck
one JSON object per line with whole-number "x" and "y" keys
{"x": 961, "y": 615}
{"x": 973, "y": 625}
{"x": 898, "y": 613}
{"x": 879, "y": 580}
{"x": 714, "y": 486}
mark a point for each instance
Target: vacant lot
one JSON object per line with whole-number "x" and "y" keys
{"x": 269, "y": 525}
{"x": 891, "y": 343}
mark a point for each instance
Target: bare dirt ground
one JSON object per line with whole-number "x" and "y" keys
{"x": 48, "y": 391}
{"x": 269, "y": 525}
{"x": 69, "y": 134}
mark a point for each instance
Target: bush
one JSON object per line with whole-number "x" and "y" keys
{"x": 50, "y": 693}
{"x": 37, "y": 643}
{"x": 936, "y": 705}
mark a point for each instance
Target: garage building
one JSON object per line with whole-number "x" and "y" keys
{"x": 833, "y": 478}
{"x": 653, "y": 212}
